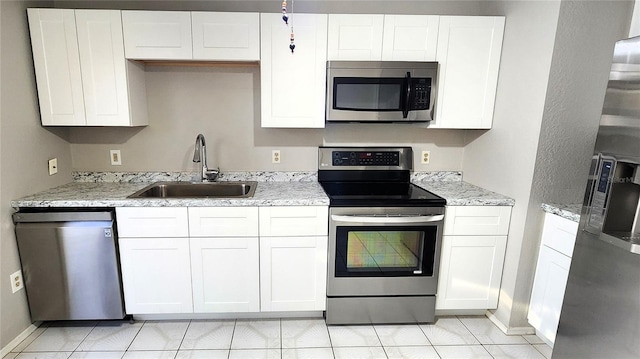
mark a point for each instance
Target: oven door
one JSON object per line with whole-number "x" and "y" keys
{"x": 384, "y": 251}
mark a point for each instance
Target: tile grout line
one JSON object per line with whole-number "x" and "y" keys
{"x": 183, "y": 337}
{"x": 233, "y": 333}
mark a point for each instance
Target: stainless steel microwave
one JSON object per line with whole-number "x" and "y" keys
{"x": 380, "y": 91}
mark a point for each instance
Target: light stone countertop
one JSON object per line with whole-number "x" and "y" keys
{"x": 109, "y": 194}
{"x": 465, "y": 194}
{"x": 301, "y": 189}
{"x": 568, "y": 211}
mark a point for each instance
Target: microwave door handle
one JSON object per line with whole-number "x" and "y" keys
{"x": 388, "y": 220}
{"x": 405, "y": 108}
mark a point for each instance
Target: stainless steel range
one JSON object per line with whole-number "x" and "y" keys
{"x": 385, "y": 236}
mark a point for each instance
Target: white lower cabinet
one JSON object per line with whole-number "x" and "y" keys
{"x": 293, "y": 273}
{"x": 470, "y": 272}
{"x": 225, "y": 274}
{"x": 552, "y": 272}
{"x": 155, "y": 261}
{"x": 225, "y": 259}
{"x": 293, "y": 258}
{"x": 214, "y": 260}
{"x": 472, "y": 257}
{"x": 156, "y": 275}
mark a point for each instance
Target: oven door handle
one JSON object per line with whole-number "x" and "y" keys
{"x": 388, "y": 220}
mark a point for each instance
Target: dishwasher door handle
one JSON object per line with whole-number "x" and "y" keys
{"x": 390, "y": 220}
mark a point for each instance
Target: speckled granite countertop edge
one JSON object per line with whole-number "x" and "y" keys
{"x": 568, "y": 211}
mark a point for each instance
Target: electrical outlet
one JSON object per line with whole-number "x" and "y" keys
{"x": 116, "y": 158}
{"x": 426, "y": 156}
{"x": 275, "y": 156}
{"x": 16, "y": 281}
{"x": 53, "y": 166}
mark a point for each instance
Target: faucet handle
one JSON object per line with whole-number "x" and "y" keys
{"x": 211, "y": 175}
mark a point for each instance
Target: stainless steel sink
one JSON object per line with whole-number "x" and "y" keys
{"x": 197, "y": 190}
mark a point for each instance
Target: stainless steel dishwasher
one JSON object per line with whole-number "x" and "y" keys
{"x": 70, "y": 264}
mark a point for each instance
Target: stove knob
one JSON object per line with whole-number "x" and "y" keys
{"x": 353, "y": 162}
{"x": 337, "y": 162}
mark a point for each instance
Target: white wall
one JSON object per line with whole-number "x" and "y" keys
{"x": 634, "y": 29}
{"x": 25, "y": 147}
{"x": 549, "y": 99}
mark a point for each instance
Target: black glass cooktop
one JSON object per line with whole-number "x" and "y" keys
{"x": 353, "y": 194}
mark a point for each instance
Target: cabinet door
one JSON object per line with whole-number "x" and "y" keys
{"x": 157, "y": 35}
{"x": 104, "y": 75}
{"x": 156, "y": 275}
{"x": 293, "y": 84}
{"x": 226, "y": 274}
{"x": 57, "y": 65}
{"x": 468, "y": 54}
{"x": 355, "y": 37}
{"x": 470, "y": 272}
{"x": 547, "y": 295}
{"x": 410, "y": 37}
{"x": 293, "y": 273}
{"x": 226, "y": 36}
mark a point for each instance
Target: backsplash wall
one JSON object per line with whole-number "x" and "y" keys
{"x": 223, "y": 103}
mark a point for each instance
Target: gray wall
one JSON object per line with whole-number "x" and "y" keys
{"x": 223, "y": 103}
{"x": 548, "y": 116}
{"x": 25, "y": 146}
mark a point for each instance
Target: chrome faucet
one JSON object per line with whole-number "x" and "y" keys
{"x": 200, "y": 155}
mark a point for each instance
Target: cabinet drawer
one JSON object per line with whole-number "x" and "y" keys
{"x": 223, "y": 221}
{"x": 477, "y": 220}
{"x": 559, "y": 233}
{"x": 152, "y": 222}
{"x": 294, "y": 221}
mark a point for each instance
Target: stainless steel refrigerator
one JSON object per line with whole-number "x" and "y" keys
{"x": 600, "y": 315}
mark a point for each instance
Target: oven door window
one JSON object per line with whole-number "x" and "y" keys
{"x": 385, "y": 251}
{"x": 368, "y": 94}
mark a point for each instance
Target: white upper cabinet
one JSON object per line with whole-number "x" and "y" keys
{"x": 382, "y": 37}
{"x": 81, "y": 74}
{"x": 469, "y": 49}
{"x": 184, "y": 35}
{"x": 57, "y": 66}
{"x": 410, "y": 37}
{"x": 101, "y": 58}
{"x": 293, "y": 84}
{"x": 226, "y": 36}
{"x": 157, "y": 35}
{"x": 355, "y": 37}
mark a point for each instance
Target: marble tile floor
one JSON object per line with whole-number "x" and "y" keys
{"x": 450, "y": 337}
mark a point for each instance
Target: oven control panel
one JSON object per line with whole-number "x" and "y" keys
{"x": 365, "y": 158}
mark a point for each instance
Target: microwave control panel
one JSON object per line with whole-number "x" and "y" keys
{"x": 421, "y": 90}
{"x": 365, "y": 158}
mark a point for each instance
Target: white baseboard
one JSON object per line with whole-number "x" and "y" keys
{"x": 259, "y": 315}
{"x": 510, "y": 330}
{"x": 22, "y": 336}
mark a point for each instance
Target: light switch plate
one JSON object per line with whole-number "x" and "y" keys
{"x": 53, "y": 166}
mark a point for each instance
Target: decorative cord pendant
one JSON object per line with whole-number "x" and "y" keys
{"x": 285, "y": 18}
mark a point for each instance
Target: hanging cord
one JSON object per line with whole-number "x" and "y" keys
{"x": 285, "y": 18}
{"x": 292, "y": 46}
